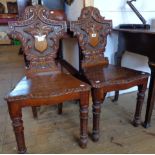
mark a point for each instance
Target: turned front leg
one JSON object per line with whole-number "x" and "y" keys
{"x": 84, "y": 103}
{"x": 97, "y": 97}
{"x": 17, "y": 123}
{"x": 140, "y": 100}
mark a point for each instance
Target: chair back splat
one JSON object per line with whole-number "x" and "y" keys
{"x": 92, "y": 30}
{"x": 40, "y": 37}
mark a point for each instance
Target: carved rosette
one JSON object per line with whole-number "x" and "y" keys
{"x": 92, "y": 30}
{"x": 40, "y": 37}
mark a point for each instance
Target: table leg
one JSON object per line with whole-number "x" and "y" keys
{"x": 151, "y": 97}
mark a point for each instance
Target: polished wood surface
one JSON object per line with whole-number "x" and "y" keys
{"x": 44, "y": 83}
{"x": 140, "y": 42}
{"x": 91, "y": 30}
{"x": 144, "y": 31}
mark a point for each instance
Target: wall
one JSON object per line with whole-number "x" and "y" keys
{"x": 89, "y": 2}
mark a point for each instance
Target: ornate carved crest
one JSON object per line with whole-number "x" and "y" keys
{"x": 40, "y": 42}
{"x": 93, "y": 37}
{"x": 92, "y": 30}
{"x": 40, "y": 37}
{"x": 39, "y": 33}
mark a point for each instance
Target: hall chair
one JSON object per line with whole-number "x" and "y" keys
{"x": 44, "y": 82}
{"x": 91, "y": 30}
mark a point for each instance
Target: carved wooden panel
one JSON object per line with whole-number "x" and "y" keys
{"x": 40, "y": 38}
{"x": 92, "y": 30}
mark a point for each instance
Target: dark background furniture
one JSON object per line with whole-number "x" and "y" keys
{"x": 140, "y": 42}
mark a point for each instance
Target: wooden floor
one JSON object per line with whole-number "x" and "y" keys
{"x": 53, "y": 133}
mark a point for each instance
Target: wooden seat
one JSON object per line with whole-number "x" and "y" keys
{"x": 113, "y": 77}
{"x": 44, "y": 83}
{"x": 36, "y": 87}
{"x": 91, "y": 30}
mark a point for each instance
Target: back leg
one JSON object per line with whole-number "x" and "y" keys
{"x": 140, "y": 100}
{"x": 60, "y": 105}
{"x": 34, "y": 111}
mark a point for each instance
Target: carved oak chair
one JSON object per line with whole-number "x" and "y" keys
{"x": 44, "y": 82}
{"x": 91, "y": 30}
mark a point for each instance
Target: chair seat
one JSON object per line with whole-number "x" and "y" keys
{"x": 46, "y": 86}
{"x": 111, "y": 75}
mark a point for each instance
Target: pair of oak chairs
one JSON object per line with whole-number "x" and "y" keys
{"x": 46, "y": 83}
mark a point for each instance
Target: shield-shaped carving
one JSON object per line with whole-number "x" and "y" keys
{"x": 93, "y": 39}
{"x": 40, "y": 43}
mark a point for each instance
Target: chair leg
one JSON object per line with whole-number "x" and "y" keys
{"x": 34, "y": 111}
{"x": 116, "y": 96}
{"x": 104, "y": 95}
{"x": 17, "y": 123}
{"x": 97, "y": 97}
{"x": 60, "y": 105}
{"x": 140, "y": 100}
{"x": 84, "y": 103}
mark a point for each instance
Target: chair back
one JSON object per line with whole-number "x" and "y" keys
{"x": 91, "y": 30}
{"x": 40, "y": 37}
